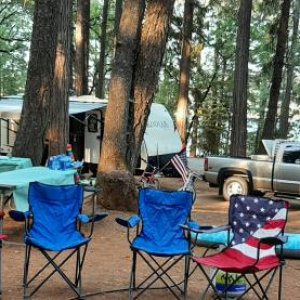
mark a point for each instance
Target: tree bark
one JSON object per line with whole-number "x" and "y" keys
{"x": 284, "y": 112}
{"x": 113, "y": 172}
{"x": 282, "y": 37}
{"x": 59, "y": 106}
{"x": 101, "y": 64}
{"x": 240, "y": 91}
{"x": 118, "y": 12}
{"x": 82, "y": 47}
{"x": 194, "y": 132}
{"x": 146, "y": 75}
{"x": 184, "y": 73}
{"x": 38, "y": 91}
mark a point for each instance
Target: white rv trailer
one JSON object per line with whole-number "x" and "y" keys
{"x": 161, "y": 139}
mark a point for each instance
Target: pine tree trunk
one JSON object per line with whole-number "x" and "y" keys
{"x": 194, "y": 133}
{"x": 282, "y": 37}
{"x": 152, "y": 48}
{"x": 240, "y": 91}
{"x": 101, "y": 64}
{"x": 59, "y": 106}
{"x": 82, "y": 47}
{"x": 118, "y": 12}
{"x": 284, "y": 113}
{"x": 34, "y": 121}
{"x": 184, "y": 74}
{"x": 113, "y": 171}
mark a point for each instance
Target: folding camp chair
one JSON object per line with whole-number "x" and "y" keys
{"x": 257, "y": 225}
{"x": 161, "y": 242}
{"x": 53, "y": 224}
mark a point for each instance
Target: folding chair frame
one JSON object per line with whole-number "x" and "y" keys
{"x": 79, "y": 251}
{"x": 255, "y": 286}
{"x": 75, "y": 286}
{"x": 261, "y": 293}
{"x": 160, "y": 270}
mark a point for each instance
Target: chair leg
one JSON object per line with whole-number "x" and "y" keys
{"x": 78, "y": 272}
{"x": 26, "y": 269}
{"x": 80, "y": 258}
{"x": 132, "y": 284}
{"x": 187, "y": 262}
{"x": 280, "y": 282}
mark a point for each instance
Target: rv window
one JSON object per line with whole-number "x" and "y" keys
{"x": 92, "y": 123}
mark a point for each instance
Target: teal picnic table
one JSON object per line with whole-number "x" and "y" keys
{"x": 18, "y": 182}
{"x": 8, "y": 163}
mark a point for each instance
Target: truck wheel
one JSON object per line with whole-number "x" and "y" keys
{"x": 234, "y": 185}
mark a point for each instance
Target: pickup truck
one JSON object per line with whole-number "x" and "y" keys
{"x": 277, "y": 172}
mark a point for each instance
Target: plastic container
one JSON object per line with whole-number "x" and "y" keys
{"x": 234, "y": 291}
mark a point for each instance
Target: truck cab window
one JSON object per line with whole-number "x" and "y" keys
{"x": 291, "y": 156}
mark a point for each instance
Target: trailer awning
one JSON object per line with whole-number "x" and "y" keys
{"x": 10, "y": 108}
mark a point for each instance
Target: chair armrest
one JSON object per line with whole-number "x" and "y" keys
{"x": 98, "y": 217}
{"x": 92, "y": 218}
{"x": 274, "y": 241}
{"x": 91, "y": 189}
{"x": 218, "y": 229}
{"x": 192, "y": 226}
{"x": 132, "y": 222}
{"x": 19, "y": 216}
{"x": 83, "y": 218}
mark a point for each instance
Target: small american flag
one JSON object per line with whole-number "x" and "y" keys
{"x": 180, "y": 166}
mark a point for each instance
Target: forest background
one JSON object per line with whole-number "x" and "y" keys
{"x": 227, "y": 70}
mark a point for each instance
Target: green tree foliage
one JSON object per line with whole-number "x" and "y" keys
{"x": 212, "y": 65}
{"x": 15, "y": 30}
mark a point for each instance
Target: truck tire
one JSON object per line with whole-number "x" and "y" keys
{"x": 234, "y": 185}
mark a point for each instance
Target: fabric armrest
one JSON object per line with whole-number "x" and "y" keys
{"x": 132, "y": 222}
{"x": 274, "y": 241}
{"x": 94, "y": 218}
{"x": 19, "y": 216}
{"x": 92, "y": 189}
{"x": 192, "y": 226}
{"x": 83, "y": 218}
{"x": 98, "y": 217}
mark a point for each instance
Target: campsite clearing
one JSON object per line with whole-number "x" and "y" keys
{"x": 108, "y": 259}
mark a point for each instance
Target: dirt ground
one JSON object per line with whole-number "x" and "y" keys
{"x": 108, "y": 261}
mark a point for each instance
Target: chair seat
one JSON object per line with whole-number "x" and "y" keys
{"x": 72, "y": 240}
{"x": 228, "y": 262}
{"x": 170, "y": 248}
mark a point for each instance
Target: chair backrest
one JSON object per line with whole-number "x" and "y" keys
{"x": 55, "y": 209}
{"x": 162, "y": 212}
{"x": 253, "y": 217}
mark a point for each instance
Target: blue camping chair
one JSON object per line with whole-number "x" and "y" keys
{"x": 160, "y": 236}
{"x": 52, "y": 225}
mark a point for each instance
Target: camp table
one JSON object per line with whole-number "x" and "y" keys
{"x": 8, "y": 163}
{"x": 19, "y": 181}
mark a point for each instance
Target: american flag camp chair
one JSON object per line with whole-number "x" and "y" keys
{"x": 160, "y": 241}
{"x": 52, "y": 226}
{"x": 257, "y": 224}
